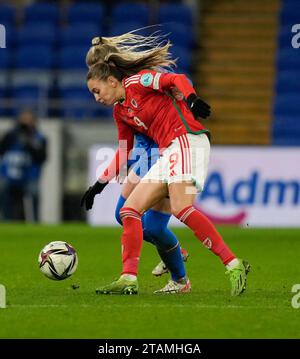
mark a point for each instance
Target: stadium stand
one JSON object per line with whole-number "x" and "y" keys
{"x": 79, "y": 33}
{"x": 235, "y": 68}
{"x": 179, "y": 34}
{"x": 7, "y": 15}
{"x": 47, "y": 44}
{"x": 72, "y": 57}
{"x": 37, "y": 33}
{"x": 3, "y": 94}
{"x": 123, "y": 27}
{"x": 43, "y": 12}
{"x": 286, "y": 109}
{"x": 34, "y": 57}
{"x": 183, "y": 56}
{"x": 175, "y": 13}
{"x": 26, "y": 96}
{"x": 5, "y": 60}
{"x": 75, "y": 100}
{"x": 85, "y": 12}
{"x": 127, "y": 12}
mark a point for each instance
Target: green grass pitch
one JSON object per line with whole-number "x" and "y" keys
{"x": 40, "y": 308}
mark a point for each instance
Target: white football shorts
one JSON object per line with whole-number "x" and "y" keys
{"x": 186, "y": 159}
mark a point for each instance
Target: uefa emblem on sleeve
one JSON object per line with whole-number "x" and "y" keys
{"x": 146, "y": 79}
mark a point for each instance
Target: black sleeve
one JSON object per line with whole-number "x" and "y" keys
{"x": 6, "y": 142}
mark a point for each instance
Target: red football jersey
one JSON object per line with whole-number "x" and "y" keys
{"x": 149, "y": 108}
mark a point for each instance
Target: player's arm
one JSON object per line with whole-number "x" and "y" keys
{"x": 198, "y": 107}
{"x": 126, "y": 137}
{"x": 167, "y": 81}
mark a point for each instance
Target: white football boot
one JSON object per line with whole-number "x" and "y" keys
{"x": 175, "y": 288}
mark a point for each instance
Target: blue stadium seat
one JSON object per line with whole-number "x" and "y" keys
{"x": 5, "y": 59}
{"x": 287, "y": 123}
{"x": 282, "y": 131}
{"x": 286, "y": 108}
{"x": 288, "y": 82}
{"x": 179, "y": 34}
{"x": 184, "y": 58}
{"x": 7, "y": 15}
{"x": 44, "y": 12}
{"x": 37, "y": 33}
{"x": 79, "y": 34}
{"x": 32, "y": 78}
{"x": 84, "y": 12}
{"x": 289, "y": 14}
{"x": 78, "y": 103}
{"x": 25, "y": 96}
{"x": 34, "y": 57}
{"x": 3, "y": 93}
{"x": 130, "y": 12}
{"x": 285, "y": 37}
{"x": 34, "y": 85}
{"x": 286, "y": 141}
{"x": 286, "y": 130}
{"x": 122, "y": 28}
{"x": 288, "y": 59}
{"x": 287, "y": 105}
{"x": 72, "y": 57}
{"x": 178, "y": 13}
{"x": 3, "y": 111}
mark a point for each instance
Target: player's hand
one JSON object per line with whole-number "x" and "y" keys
{"x": 87, "y": 199}
{"x": 198, "y": 107}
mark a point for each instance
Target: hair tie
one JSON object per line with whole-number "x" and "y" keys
{"x": 97, "y": 41}
{"x": 109, "y": 62}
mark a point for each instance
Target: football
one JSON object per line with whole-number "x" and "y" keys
{"x": 58, "y": 260}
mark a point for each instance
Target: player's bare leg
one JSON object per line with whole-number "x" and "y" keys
{"x": 132, "y": 180}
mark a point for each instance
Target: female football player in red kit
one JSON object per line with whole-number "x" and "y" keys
{"x": 144, "y": 154}
{"x": 139, "y": 95}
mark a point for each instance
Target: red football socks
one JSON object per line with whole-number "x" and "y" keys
{"x": 132, "y": 240}
{"x": 205, "y": 231}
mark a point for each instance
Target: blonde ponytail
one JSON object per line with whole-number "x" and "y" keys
{"x": 131, "y": 53}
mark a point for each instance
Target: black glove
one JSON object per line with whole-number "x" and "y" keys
{"x": 198, "y": 107}
{"x": 88, "y": 198}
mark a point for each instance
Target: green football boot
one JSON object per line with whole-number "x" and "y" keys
{"x": 238, "y": 277}
{"x": 120, "y": 286}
